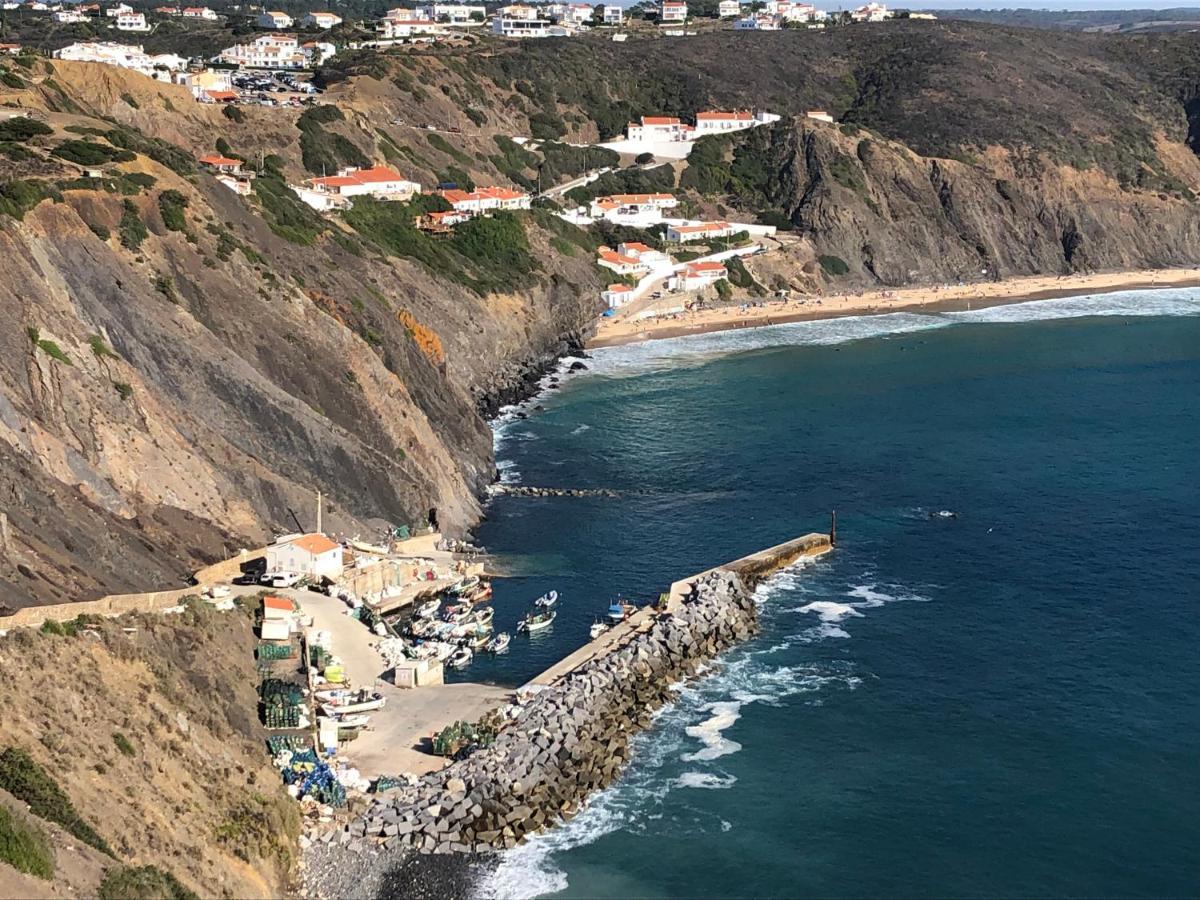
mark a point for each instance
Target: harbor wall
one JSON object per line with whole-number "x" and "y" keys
{"x": 571, "y": 737}
{"x": 113, "y": 605}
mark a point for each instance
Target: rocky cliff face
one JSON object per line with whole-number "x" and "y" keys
{"x": 164, "y": 404}
{"x": 895, "y": 217}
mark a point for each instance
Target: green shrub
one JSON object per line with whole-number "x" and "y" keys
{"x": 323, "y": 152}
{"x": 123, "y": 744}
{"x": 29, "y": 783}
{"x": 128, "y": 98}
{"x": 286, "y": 214}
{"x": 547, "y": 126}
{"x": 724, "y": 291}
{"x": 100, "y": 349}
{"x": 16, "y": 152}
{"x": 440, "y": 143}
{"x": 22, "y": 128}
{"x": 833, "y": 265}
{"x": 100, "y": 231}
{"x": 124, "y": 389}
{"x": 233, "y": 113}
{"x": 141, "y": 883}
{"x": 776, "y": 218}
{"x": 24, "y": 847}
{"x": 132, "y": 229}
{"x": 90, "y": 153}
{"x": 11, "y": 79}
{"x": 644, "y": 158}
{"x": 171, "y": 205}
{"x": 177, "y": 160}
{"x": 18, "y": 197}
{"x": 54, "y": 351}
{"x": 476, "y": 116}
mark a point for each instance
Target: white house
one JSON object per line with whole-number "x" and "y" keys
{"x": 718, "y": 122}
{"x": 700, "y": 231}
{"x": 277, "y": 21}
{"x": 625, "y": 206}
{"x": 408, "y": 29}
{"x": 277, "y": 51}
{"x": 658, "y": 128}
{"x": 119, "y": 9}
{"x": 727, "y": 9}
{"x": 126, "y": 56}
{"x": 569, "y": 13}
{"x": 132, "y": 21}
{"x": 672, "y": 11}
{"x": 198, "y": 12}
{"x": 644, "y": 254}
{"x": 313, "y": 555}
{"x": 617, "y": 295}
{"x": 458, "y": 13}
{"x": 872, "y": 12}
{"x": 613, "y": 15}
{"x": 320, "y": 20}
{"x": 379, "y": 182}
{"x": 790, "y": 11}
{"x": 67, "y": 16}
{"x": 620, "y": 263}
{"x": 758, "y": 22}
{"x": 820, "y": 115}
{"x": 522, "y": 21}
{"x": 483, "y": 200}
{"x": 696, "y": 275}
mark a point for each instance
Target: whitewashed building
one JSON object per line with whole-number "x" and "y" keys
{"x": 522, "y": 21}
{"x": 380, "y": 182}
{"x": 672, "y": 11}
{"x": 198, "y": 12}
{"x": 719, "y": 121}
{"x": 69, "y": 16}
{"x": 132, "y": 21}
{"x": 728, "y": 9}
{"x": 459, "y": 13}
{"x": 872, "y": 12}
{"x": 484, "y": 200}
{"x": 277, "y": 51}
{"x": 324, "y": 20}
{"x": 758, "y": 22}
{"x": 410, "y": 28}
{"x": 613, "y": 15}
{"x": 617, "y": 295}
{"x": 700, "y": 231}
{"x": 278, "y": 21}
{"x": 697, "y": 275}
{"x": 126, "y": 56}
{"x": 659, "y": 128}
{"x": 313, "y": 555}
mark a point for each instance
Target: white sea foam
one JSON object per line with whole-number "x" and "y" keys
{"x": 705, "y": 780}
{"x": 828, "y": 611}
{"x": 581, "y": 428}
{"x": 709, "y": 732}
{"x": 1155, "y": 302}
{"x": 634, "y": 359}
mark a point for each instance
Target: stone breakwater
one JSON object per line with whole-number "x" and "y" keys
{"x": 568, "y": 740}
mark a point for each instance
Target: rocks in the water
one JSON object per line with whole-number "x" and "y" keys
{"x": 567, "y": 740}
{"x": 524, "y": 490}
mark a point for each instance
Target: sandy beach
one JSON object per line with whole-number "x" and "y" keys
{"x": 620, "y": 330}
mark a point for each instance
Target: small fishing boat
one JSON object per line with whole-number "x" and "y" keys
{"x": 478, "y": 595}
{"x": 621, "y": 610}
{"x": 421, "y": 627}
{"x": 480, "y": 639}
{"x": 597, "y": 629}
{"x": 536, "y": 621}
{"x": 429, "y": 609}
{"x": 547, "y": 600}
{"x": 483, "y": 616}
{"x": 456, "y": 613}
{"x": 357, "y": 720}
{"x": 460, "y": 658}
{"x": 465, "y": 585}
{"x": 335, "y": 708}
{"x": 499, "y": 643}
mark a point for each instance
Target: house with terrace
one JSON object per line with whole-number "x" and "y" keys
{"x": 697, "y": 275}
{"x": 700, "y": 231}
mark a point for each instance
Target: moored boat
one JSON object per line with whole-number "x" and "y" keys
{"x": 499, "y": 643}
{"x": 483, "y": 616}
{"x": 465, "y": 585}
{"x": 597, "y": 629}
{"x": 546, "y": 600}
{"x": 621, "y": 610}
{"x": 460, "y": 658}
{"x": 536, "y": 621}
{"x": 429, "y": 609}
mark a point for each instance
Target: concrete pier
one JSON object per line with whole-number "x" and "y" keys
{"x": 752, "y": 569}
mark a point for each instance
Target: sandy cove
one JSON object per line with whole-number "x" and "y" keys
{"x": 619, "y": 330}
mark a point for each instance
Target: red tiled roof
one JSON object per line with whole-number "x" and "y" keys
{"x": 221, "y": 95}
{"x": 659, "y": 120}
{"x": 697, "y": 268}
{"x": 277, "y": 603}
{"x": 619, "y": 288}
{"x": 716, "y": 115}
{"x": 314, "y": 543}
{"x": 702, "y": 227}
{"x": 373, "y": 175}
{"x": 215, "y": 159}
{"x": 613, "y": 257}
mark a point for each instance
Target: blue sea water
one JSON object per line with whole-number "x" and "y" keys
{"x": 999, "y": 704}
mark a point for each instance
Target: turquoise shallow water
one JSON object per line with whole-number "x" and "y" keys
{"x": 1000, "y": 704}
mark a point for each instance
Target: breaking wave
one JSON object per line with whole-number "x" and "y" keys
{"x": 668, "y": 353}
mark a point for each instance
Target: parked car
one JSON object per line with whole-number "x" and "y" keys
{"x": 280, "y": 579}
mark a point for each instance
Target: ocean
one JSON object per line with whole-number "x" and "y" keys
{"x": 1000, "y": 702}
